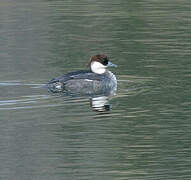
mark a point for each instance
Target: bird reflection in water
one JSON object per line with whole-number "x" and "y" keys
{"x": 100, "y": 104}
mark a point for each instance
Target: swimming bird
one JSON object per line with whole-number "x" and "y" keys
{"x": 97, "y": 80}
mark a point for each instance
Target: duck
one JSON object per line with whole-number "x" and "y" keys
{"x": 95, "y": 80}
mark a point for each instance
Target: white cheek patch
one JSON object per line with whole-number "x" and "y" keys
{"x": 97, "y": 67}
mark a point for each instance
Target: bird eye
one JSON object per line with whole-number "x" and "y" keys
{"x": 105, "y": 61}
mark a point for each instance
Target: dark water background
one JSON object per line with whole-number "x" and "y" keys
{"x": 145, "y": 136}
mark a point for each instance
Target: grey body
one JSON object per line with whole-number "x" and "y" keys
{"x": 84, "y": 82}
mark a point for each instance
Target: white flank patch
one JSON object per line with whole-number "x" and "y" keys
{"x": 58, "y": 85}
{"x": 88, "y": 80}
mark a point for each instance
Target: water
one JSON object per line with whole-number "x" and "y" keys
{"x": 144, "y": 131}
